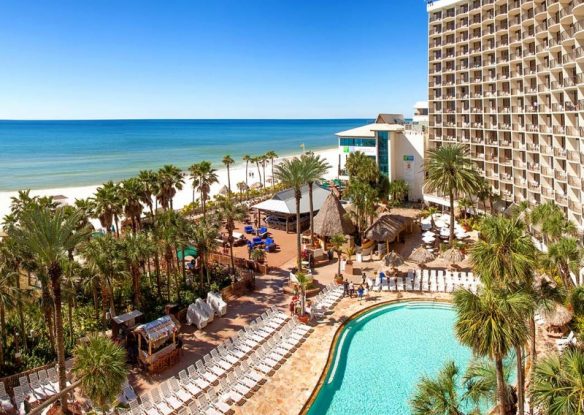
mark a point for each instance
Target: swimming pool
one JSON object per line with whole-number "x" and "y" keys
{"x": 381, "y": 355}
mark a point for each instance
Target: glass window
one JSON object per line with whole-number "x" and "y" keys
{"x": 383, "y": 152}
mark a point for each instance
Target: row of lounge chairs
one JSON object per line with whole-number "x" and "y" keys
{"x": 229, "y": 374}
{"x": 326, "y": 299}
{"x": 37, "y": 386}
{"x": 427, "y": 280}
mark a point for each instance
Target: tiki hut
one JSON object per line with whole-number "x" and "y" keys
{"x": 421, "y": 255}
{"x": 331, "y": 219}
{"x": 387, "y": 228}
{"x": 558, "y": 317}
{"x": 452, "y": 255}
{"x": 256, "y": 186}
{"x": 224, "y": 191}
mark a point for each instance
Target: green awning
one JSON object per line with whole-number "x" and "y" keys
{"x": 188, "y": 251}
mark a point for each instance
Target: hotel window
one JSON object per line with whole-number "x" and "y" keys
{"x": 357, "y": 142}
{"x": 382, "y": 152}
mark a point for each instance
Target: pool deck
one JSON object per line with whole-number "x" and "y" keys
{"x": 291, "y": 386}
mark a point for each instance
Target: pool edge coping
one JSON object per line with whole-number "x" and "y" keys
{"x": 322, "y": 377}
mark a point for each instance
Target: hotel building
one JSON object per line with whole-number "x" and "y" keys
{"x": 505, "y": 79}
{"x": 397, "y": 147}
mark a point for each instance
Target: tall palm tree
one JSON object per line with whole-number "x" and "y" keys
{"x": 292, "y": 173}
{"x": 228, "y": 161}
{"x": 361, "y": 167}
{"x": 205, "y": 240}
{"x": 315, "y": 167}
{"x": 337, "y": 241}
{"x": 105, "y": 255}
{"x": 241, "y": 186}
{"x": 134, "y": 249}
{"x": 230, "y": 212}
{"x": 491, "y": 323}
{"x": 247, "y": 158}
{"x": 207, "y": 176}
{"x": 558, "y": 383}
{"x": 107, "y": 205}
{"x": 449, "y": 170}
{"x": 50, "y": 236}
{"x": 263, "y": 161}
{"x": 257, "y": 161}
{"x": 100, "y": 366}
{"x": 170, "y": 179}
{"x": 8, "y": 297}
{"x": 195, "y": 172}
{"x": 150, "y": 188}
{"x": 271, "y": 155}
{"x": 480, "y": 382}
{"x": 132, "y": 195}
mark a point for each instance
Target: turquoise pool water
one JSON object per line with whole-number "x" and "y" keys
{"x": 381, "y": 355}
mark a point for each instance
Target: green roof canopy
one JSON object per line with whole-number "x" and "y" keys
{"x": 188, "y": 251}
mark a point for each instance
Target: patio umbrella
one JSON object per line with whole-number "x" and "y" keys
{"x": 452, "y": 255}
{"x": 393, "y": 259}
{"x": 428, "y": 239}
{"x": 429, "y": 234}
{"x": 559, "y": 316}
{"x": 421, "y": 255}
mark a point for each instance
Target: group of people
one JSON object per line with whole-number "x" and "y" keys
{"x": 349, "y": 289}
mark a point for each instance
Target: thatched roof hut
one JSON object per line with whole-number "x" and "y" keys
{"x": 558, "y": 316}
{"x": 224, "y": 191}
{"x": 332, "y": 218}
{"x": 386, "y": 228}
{"x": 421, "y": 255}
{"x": 256, "y": 185}
{"x": 452, "y": 255}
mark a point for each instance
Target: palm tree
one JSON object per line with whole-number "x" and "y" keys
{"x": 205, "y": 240}
{"x": 49, "y": 236}
{"x": 550, "y": 221}
{"x": 241, "y": 186}
{"x": 480, "y": 381}
{"x": 398, "y": 189}
{"x": 361, "y": 167}
{"x": 207, "y": 176}
{"x": 105, "y": 255}
{"x": 134, "y": 249}
{"x": 449, "y": 170}
{"x": 8, "y": 297}
{"x": 131, "y": 195}
{"x": 170, "y": 179}
{"x": 304, "y": 282}
{"x": 100, "y": 366}
{"x": 464, "y": 204}
{"x": 257, "y": 160}
{"x": 230, "y": 212}
{"x": 271, "y": 155}
{"x": 315, "y": 167}
{"x": 438, "y": 396}
{"x": 107, "y": 205}
{"x": 337, "y": 241}
{"x": 247, "y": 158}
{"x": 228, "y": 161}
{"x": 563, "y": 258}
{"x": 195, "y": 171}
{"x": 491, "y": 323}
{"x": 150, "y": 188}
{"x": 292, "y": 174}
{"x": 558, "y": 383}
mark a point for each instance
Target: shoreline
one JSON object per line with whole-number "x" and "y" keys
{"x": 183, "y": 197}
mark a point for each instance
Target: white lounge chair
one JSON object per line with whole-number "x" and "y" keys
{"x": 188, "y": 384}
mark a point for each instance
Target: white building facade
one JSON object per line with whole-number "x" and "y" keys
{"x": 397, "y": 150}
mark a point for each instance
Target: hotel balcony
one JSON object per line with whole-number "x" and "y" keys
{"x": 561, "y": 200}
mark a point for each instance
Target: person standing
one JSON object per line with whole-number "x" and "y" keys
{"x": 351, "y": 289}
{"x": 360, "y": 291}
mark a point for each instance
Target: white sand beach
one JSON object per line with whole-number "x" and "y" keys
{"x": 184, "y": 196}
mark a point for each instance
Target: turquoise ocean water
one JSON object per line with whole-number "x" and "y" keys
{"x": 47, "y": 154}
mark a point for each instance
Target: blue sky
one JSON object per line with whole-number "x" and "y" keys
{"x": 84, "y": 59}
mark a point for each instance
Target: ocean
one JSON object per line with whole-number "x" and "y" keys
{"x": 50, "y": 154}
